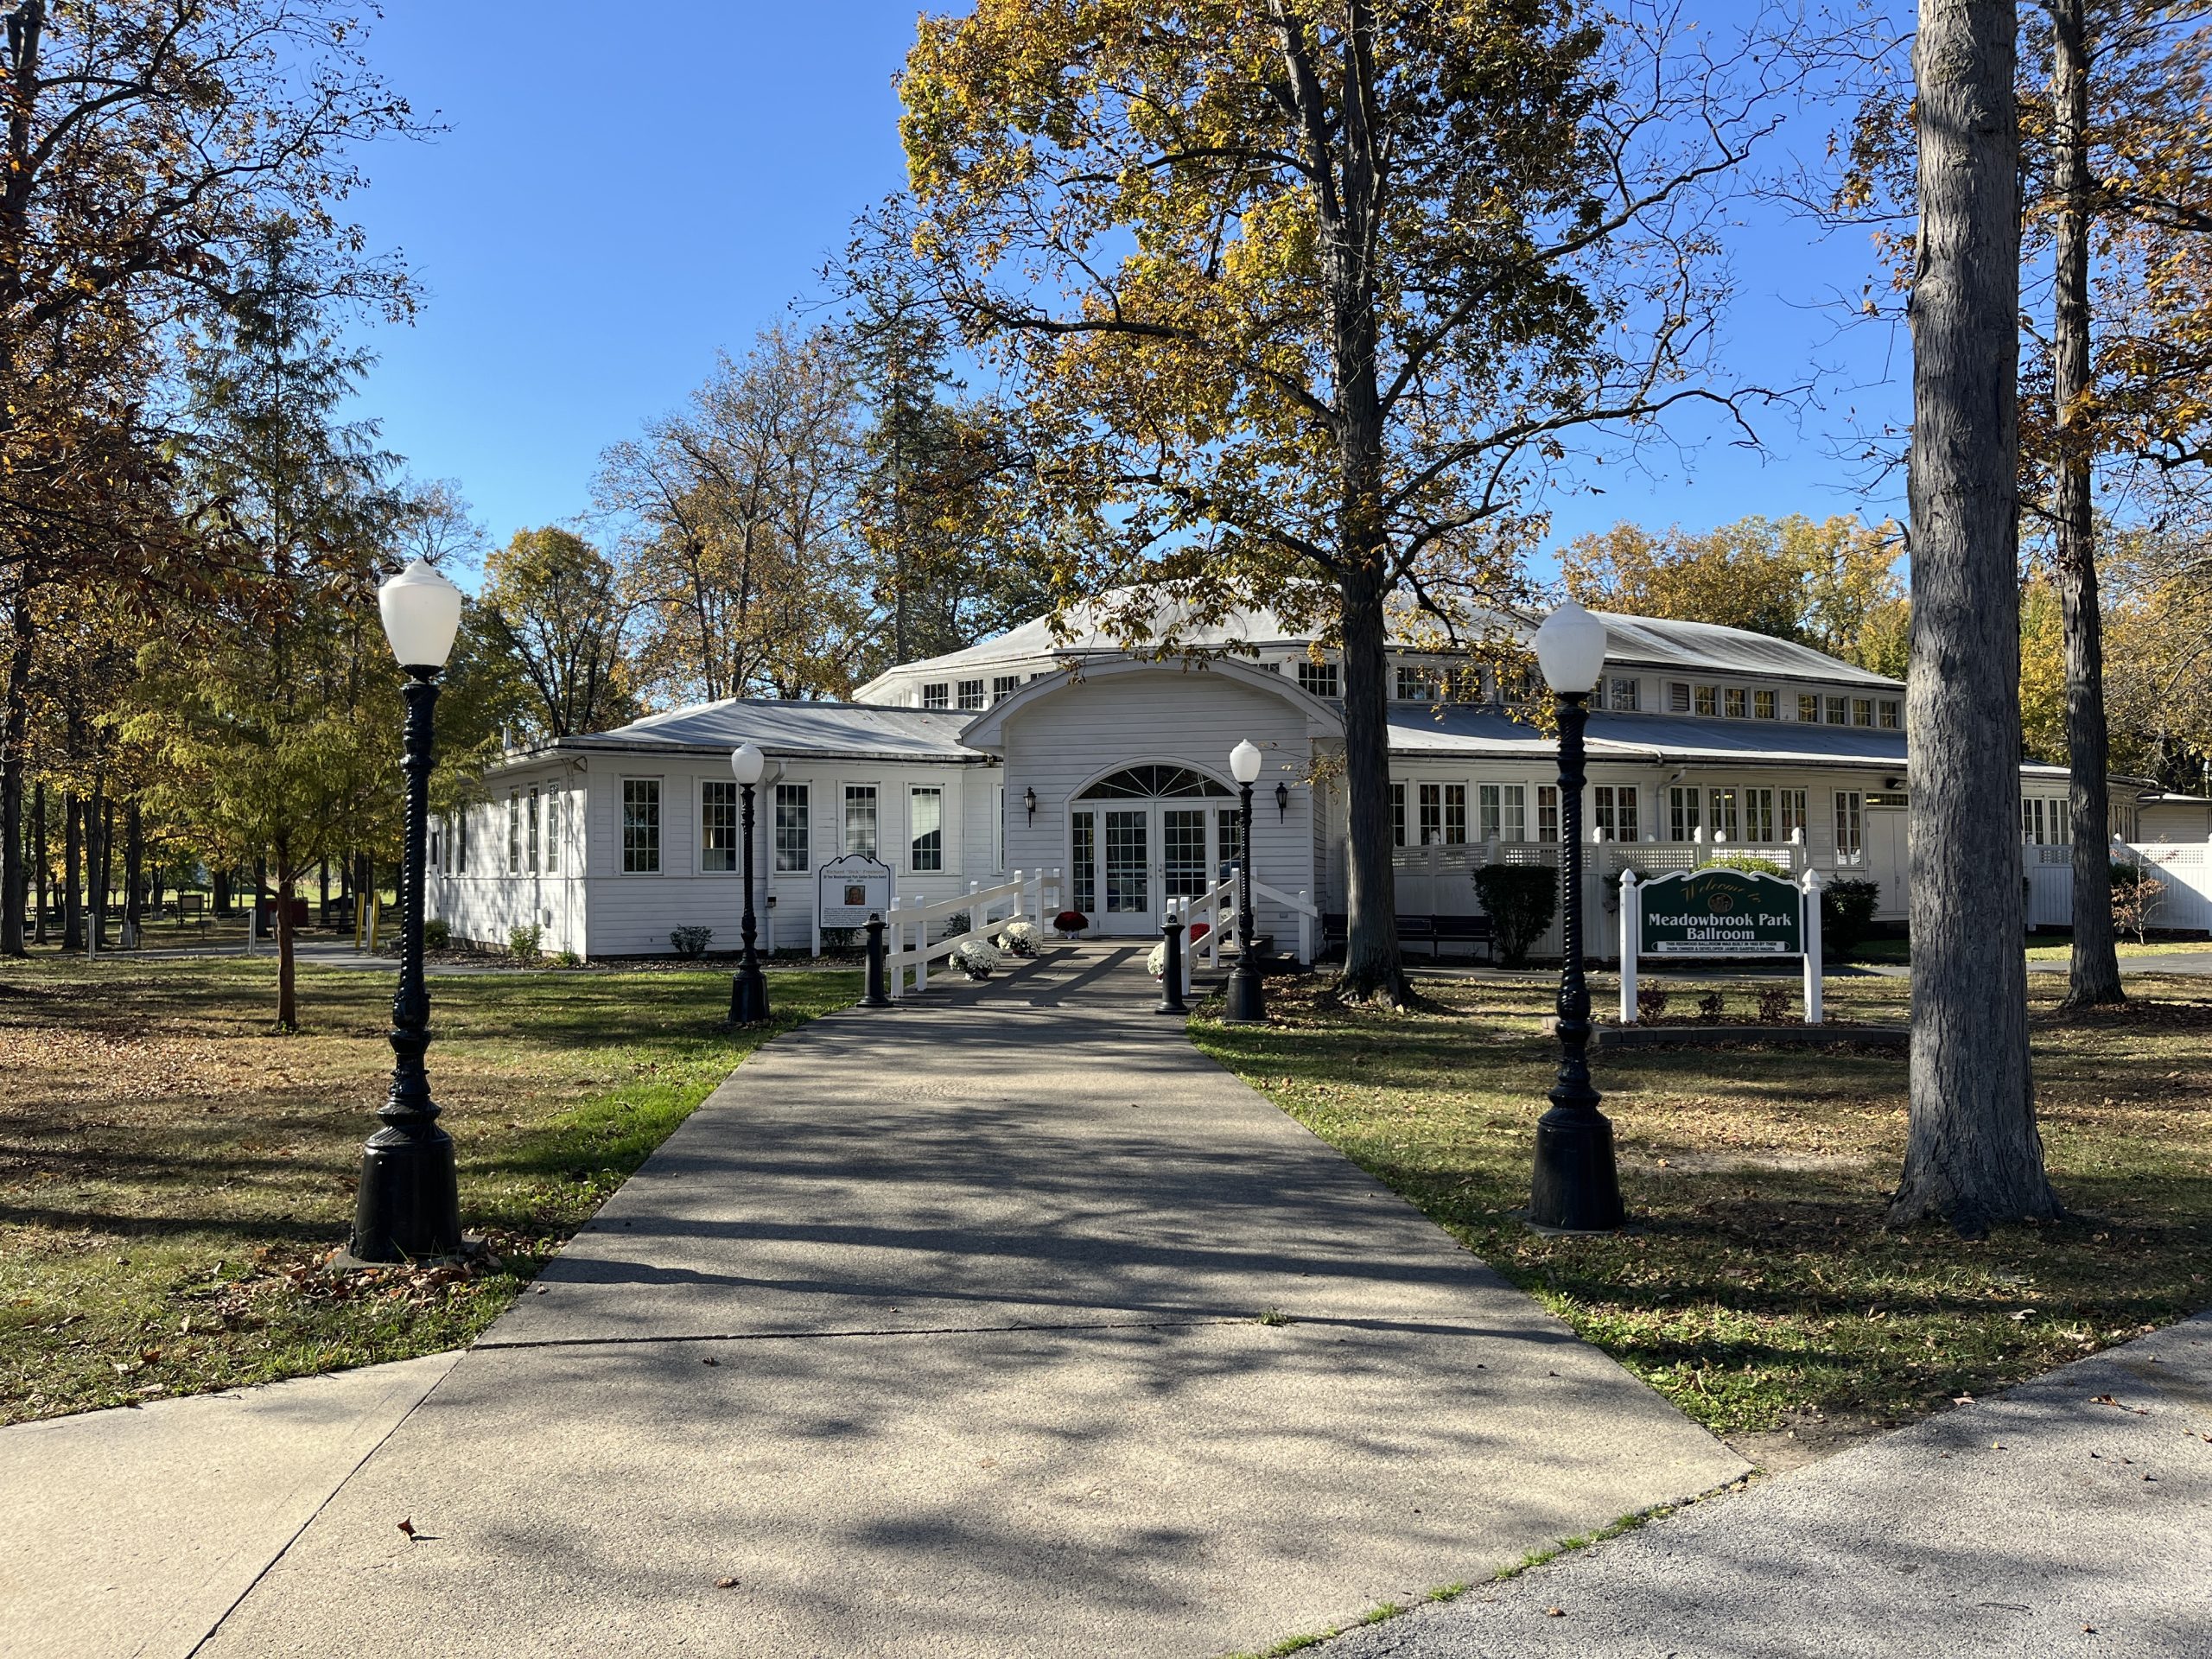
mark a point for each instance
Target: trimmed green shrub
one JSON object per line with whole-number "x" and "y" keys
{"x": 437, "y": 933}
{"x": 1847, "y": 906}
{"x": 1746, "y": 861}
{"x": 523, "y": 942}
{"x": 1521, "y": 901}
{"x": 690, "y": 941}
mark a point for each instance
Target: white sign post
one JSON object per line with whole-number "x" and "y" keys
{"x": 1811, "y": 884}
{"x": 1631, "y": 944}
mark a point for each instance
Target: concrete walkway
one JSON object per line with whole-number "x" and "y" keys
{"x": 133, "y": 1531}
{"x": 2072, "y": 1516}
{"x": 1003, "y": 1324}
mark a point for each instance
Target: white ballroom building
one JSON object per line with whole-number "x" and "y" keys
{"x": 1067, "y": 752}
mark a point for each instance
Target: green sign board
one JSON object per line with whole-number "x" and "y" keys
{"x": 1720, "y": 913}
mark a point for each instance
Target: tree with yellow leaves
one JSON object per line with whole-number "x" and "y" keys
{"x": 1304, "y": 301}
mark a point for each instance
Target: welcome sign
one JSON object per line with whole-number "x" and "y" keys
{"x": 1720, "y": 913}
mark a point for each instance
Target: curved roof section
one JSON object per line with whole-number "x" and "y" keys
{"x": 1644, "y": 641}
{"x": 831, "y": 730}
{"x": 984, "y": 730}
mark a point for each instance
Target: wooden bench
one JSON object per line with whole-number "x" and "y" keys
{"x": 1434, "y": 932}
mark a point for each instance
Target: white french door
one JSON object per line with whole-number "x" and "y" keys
{"x": 1125, "y": 862}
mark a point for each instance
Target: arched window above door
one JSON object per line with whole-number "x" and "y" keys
{"x": 1150, "y": 783}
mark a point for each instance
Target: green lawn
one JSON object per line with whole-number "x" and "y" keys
{"x": 172, "y": 1171}
{"x": 2045, "y": 946}
{"x": 1759, "y": 1289}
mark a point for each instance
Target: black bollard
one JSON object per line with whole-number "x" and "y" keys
{"x": 877, "y": 996}
{"x": 1170, "y": 977}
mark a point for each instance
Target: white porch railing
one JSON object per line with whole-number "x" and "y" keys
{"x": 1021, "y": 898}
{"x": 2182, "y": 870}
{"x": 1216, "y": 908}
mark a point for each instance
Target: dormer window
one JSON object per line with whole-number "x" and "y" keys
{"x": 1862, "y": 711}
{"x": 1625, "y": 695}
{"x": 1004, "y": 685}
{"x": 1763, "y": 705}
{"x": 1736, "y": 703}
{"x": 1809, "y": 707}
{"x": 1892, "y": 717}
{"x": 1708, "y": 702}
{"x": 1318, "y": 678}
{"x": 1837, "y": 711}
{"x": 937, "y": 696}
{"x": 971, "y": 694}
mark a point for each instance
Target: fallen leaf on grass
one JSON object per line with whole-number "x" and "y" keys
{"x": 408, "y": 1526}
{"x": 725, "y": 1584}
{"x": 1554, "y": 1612}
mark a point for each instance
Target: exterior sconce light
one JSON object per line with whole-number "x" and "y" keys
{"x": 1282, "y": 801}
{"x": 1029, "y": 800}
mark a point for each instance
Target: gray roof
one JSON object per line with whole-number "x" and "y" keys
{"x": 803, "y": 730}
{"x": 1642, "y": 641}
{"x": 1478, "y": 730}
{"x": 1695, "y": 647}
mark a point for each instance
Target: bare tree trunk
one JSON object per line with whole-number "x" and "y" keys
{"x": 1373, "y": 965}
{"x": 73, "y": 865}
{"x": 100, "y": 833}
{"x": 287, "y": 1004}
{"x": 133, "y": 874}
{"x": 2094, "y": 969}
{"x": 14, "y": 735}
{"x": 1972, "y": 1152}
{"x": 41, "y": 877}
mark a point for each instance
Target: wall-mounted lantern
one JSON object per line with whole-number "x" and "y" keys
{"x": 1029, "y": 800}
{"x": 1282, "y": 801}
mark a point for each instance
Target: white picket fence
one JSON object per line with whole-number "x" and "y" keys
{"x": 2183, "y": 870}
{"x": 907, "y": 945}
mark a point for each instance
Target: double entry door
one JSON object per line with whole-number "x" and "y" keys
{"x": 1126, "y": 861}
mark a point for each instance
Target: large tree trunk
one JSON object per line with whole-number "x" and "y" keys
{"x": 133, "y": 874}
{"x": 1971, "y": 1152}
{"x": 1373, "y": 966}
{"x": 73, "y": 867}
{"x": 2094, "y": 971}
{"x": 14, "y": 733}
{"x": 287, "y": 1006}
{"x": 41, "y": 877}
{"x": 99, "y": 844}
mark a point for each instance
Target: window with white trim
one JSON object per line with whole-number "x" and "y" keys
{"x": 925, "y": 829}
{"x": 1683, "y": 801}
{"x": 718, "y": 826}
{"x": 1625, "y": 695}
{"x": 1397, "y": 815}
{"x": 1319, "y": 678}
{"x": 1793, "y": 814}
{"x": 1735, "y": 703}
{"x": 792, "y": 849}
{"x": 1614, "y": 806}
{"x": 1849, "y": 837}
{"x": 514, "y": 832}
{"x": 937, "y": 694}
{"x": 1763, "y": 705}
{"x": 531, "y": 864}
{"x": 1759, "y": 816}
{"x": 1862, "y": 711}
{"x": 461, "y": 841}
{"x": 1548, "y": 813}
{"x": 971, "y": 695}
{"x": 1443, "y": 814}
{"x": 1708, "y": 700}
{"x": 641, "y": 826}
{"x": 1809, "y": 707}
{"x": 860, "y": 818}
{"x": 553, "y": 831}
{"x": 1004, "y": 685}
{"x": 1838, "y": 711}
{"x": 1892, "y": 715}
{"x": 1723, "y": 803}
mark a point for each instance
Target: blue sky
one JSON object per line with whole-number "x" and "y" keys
{"x": 625, "y": 190}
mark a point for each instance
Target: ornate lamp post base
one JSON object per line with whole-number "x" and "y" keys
{"x": 408, "y": 1206}
{"x": 1576, "y": 1188}
{"x": 1246, "y": 1003}
{"x": 748, "y": 996}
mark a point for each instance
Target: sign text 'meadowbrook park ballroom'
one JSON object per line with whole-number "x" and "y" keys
{"x": 1722, "y": 913}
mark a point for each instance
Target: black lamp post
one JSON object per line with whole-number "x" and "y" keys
{"x": 1576, "y": 1187}
{"x": 1247, "y": 1003}
{"x": 748, "y": 989}
{"x": 408, "y": 1206}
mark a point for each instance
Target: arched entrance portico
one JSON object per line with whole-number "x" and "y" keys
{"x": 1142, "y": 835}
